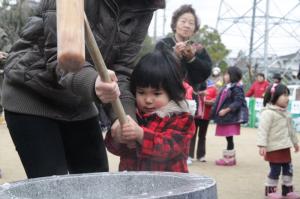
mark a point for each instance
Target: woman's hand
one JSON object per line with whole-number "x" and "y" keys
{"x": 189, "y": 52}
{"x": 179, "y": 48}
{"x": 262, "y": 151}
{"x": 107, "y": 92}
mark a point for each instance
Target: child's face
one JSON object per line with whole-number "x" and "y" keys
{"x": 260, "y": 78}
{"x": 283, "y": 101}
{"x": 150, "y": 99}
{"x": 226, "y": 78}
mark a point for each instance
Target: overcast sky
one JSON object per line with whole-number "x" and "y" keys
{"x": 284, "y": 38}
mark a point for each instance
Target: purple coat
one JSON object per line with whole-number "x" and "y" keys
{"x": 235, "y": 100}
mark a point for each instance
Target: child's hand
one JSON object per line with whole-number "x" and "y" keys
{"x": 202, "y": 93}
{"x": 262, "y": 151}
{"x": 296, "y": 146}
{"x": 115, "y": 131}
{"x": 223, "y": 112}
{"x": 131, "y": 131}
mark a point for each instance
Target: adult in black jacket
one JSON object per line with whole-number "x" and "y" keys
{"x": 51, "y": 115}
{"x": 195, "y": 61}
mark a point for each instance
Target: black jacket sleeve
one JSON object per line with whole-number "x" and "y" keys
{"x": 199, "y": 69}
{"x": 196, "y": 71}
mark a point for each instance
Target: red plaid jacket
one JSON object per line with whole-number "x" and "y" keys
{"x": 165, "y": 145}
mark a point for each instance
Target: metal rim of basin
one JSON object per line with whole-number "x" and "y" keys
{"x": 194, "y": 182}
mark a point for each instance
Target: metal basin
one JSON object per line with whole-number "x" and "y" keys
{"x": 113, "y": 186}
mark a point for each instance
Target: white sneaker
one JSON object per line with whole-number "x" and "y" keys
{"x": 189, "y": 161}
{"x": 202, "y": 159}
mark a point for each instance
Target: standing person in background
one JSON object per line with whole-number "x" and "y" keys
{"x": 165, "y": 125}
{"x": 189, "y": 92}
{"x": 258, "y": 88}
{"x": 276, "y": 136}
{"x": 217, "y": 77}
{"x": 3, "y": 56}
{"x": 205, "y": 101}
{"x": 51, "y": 114}
{"x": 277, "y": 78}
{"x": 195, "y": 61}
{"x": 229, "y": 111}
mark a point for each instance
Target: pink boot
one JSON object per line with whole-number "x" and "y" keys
{"x": 228, "y": 158}
{"x": 288, "y": 192}
{"x": 274, "y": 196}
{"x": 292, "y": 195}
{"x": 270, "y": 193}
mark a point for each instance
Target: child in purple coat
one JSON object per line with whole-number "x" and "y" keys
{"x": 229, "y": 111}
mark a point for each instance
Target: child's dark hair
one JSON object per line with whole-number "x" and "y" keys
{"x": 235, "y": 74}
{"x": 159, "y": 69}
{"x": 273, "y": 92}
{"x": 261, "y": 75}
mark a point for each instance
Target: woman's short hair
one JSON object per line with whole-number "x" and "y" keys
{"x": 159, "y": 69}
{"x": 182, "y": 10}
{"x": 235, "y": 74}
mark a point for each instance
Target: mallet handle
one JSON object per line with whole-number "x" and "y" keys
{"x": 101, "y": 67}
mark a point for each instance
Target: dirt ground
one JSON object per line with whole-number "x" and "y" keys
{"x": 244, "y": 181}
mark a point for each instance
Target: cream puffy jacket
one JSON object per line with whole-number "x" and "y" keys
{"x": 275, "y": 129}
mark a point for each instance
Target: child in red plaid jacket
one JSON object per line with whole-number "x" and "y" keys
{"x": 165, "y": 125}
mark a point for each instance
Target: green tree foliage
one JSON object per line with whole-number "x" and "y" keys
{"x": 211, "y": 40}
{"x": 147, "y": 47}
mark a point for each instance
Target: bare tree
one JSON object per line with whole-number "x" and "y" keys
{"x": 13, "y": 16}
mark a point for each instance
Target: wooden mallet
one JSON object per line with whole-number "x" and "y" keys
{"x": 71, "y": 33}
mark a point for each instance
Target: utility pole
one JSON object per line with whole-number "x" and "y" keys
{"x": 266, "y": 42}
{"x": 164, "y": 22}
{"x": 262, "y": 28}
{"x": 251, "y": 41}
{"x": 252, "y": 31}
{"x": 155, "y": 27}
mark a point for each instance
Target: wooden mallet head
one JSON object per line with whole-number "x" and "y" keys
{"x": 70, "y": 34}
